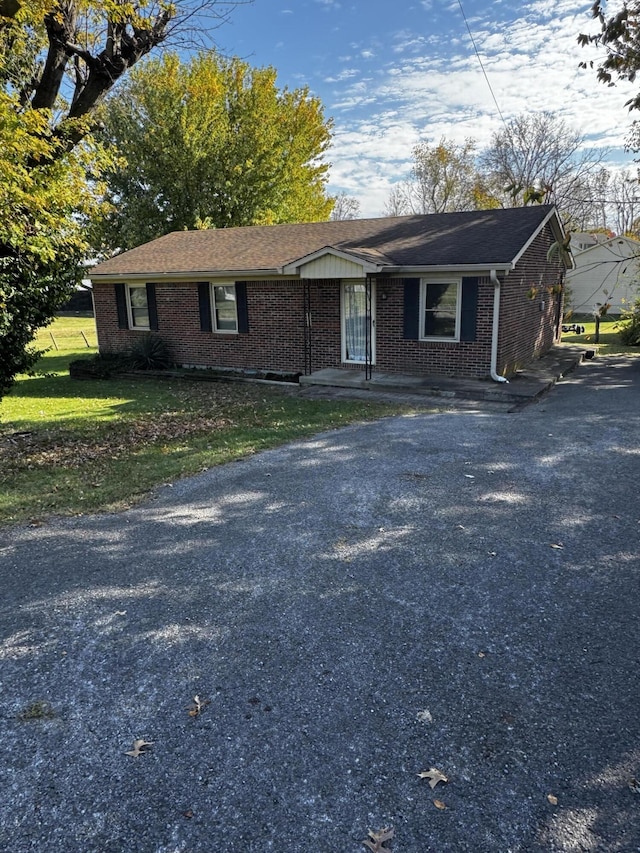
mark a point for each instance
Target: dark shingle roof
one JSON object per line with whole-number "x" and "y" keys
{"x": 483, "y": 237}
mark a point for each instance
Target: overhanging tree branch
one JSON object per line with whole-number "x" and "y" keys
{"x": 58, "y": 59}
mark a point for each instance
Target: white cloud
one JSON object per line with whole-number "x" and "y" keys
{"x": 345, "y": 74}
{"x": 424, "y": 93}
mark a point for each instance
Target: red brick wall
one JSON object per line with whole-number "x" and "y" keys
{"x": 396, "y": 355}
{"x": 276, "y": 326}
{"x": 325, "y": 324}
{"x": 276, "y": 330}
{"x": 529, "y": 307}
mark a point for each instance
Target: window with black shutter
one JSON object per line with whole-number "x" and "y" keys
{"x": 440, "y": 310}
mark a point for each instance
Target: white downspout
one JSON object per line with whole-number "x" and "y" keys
{"x": 496, "y": 328}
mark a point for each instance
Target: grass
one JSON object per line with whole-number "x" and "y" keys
{"x": 609, "y": 339}
{"x": 70, "y": 446}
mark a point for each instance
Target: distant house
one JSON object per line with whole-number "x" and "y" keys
{"x": 80, "y": 302}
{"x": 581, "y": 240}
{"x": 465, "y": 294}
{"x": 605, "y": 272}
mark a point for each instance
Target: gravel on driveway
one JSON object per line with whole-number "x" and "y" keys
{"x": 455, "y": 591}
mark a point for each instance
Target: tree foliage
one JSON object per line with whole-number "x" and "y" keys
{"x": 539, "y": 158}
{"x": 58, "y": 59}
{"x": 619, "y": 34}
{"x": 444, "y": 178}
{"x": 345, "y": 207}
{"x": 622, "y": 207}
{"x": 536, "y": 158}
{"x": 629, "y": 328}
{"x": 210, "y": 143}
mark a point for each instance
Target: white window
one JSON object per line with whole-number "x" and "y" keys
{"x": 224, "y": 308}
{"x": 137, "y": 306}
{"x": 440, "y": 310}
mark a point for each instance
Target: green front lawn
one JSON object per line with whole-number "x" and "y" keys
{"x": 609, "y": 339}
{"x": 70, "y": 446}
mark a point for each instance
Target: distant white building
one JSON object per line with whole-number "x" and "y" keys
{"x": 581, "y": 240}
{"x": 607, "y": 271}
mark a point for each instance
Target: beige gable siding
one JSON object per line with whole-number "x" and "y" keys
{"x": 331, "y": 266}
{"x": 606, "y": 273}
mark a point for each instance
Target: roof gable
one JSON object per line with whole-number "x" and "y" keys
{"x": 330, "y": 262}
{"x": 620, "y": 245}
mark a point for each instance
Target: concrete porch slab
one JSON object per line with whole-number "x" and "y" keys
{"x": 525, "y": 386}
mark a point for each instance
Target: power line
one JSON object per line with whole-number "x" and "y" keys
{"x": 623, "y": 201}
{"x": 495, "y": 100}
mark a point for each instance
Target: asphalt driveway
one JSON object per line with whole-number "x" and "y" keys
{"x": 456, "y": 591}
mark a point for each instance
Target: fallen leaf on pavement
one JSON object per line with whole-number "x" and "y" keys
{"x": 439, "y": 804}
{"x": 434, "y": 776}
{"x": 558, "y": 546}
{"x": 553, "y": 800}
{"x": 198, "y": 706}
{"x": 139, "y": 747}
{"x": 37, "y": 711}
{"x": 376, "y": 840}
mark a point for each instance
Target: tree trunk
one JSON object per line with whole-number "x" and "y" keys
{"x": 60, "y": 27}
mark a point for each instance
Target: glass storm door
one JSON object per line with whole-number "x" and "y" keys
{"x": 358, "y": 324}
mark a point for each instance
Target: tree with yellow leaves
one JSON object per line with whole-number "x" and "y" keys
{"x": 210, "y": 142}
{"x": 58, "y": 59}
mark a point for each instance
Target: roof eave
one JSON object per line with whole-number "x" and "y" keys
{"x": 500, "y": 266}
{"x": 191, "y": 275}
{"x": 370, "y": 269}
{"x": 558, "y": 232}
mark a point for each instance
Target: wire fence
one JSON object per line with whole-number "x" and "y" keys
{"x": 60, "y": 339}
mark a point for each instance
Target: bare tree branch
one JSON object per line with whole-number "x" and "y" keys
{"x": 61, "y": 28}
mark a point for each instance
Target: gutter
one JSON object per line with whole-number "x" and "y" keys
{"x": 261, "y": 274}
{"x": 194, "y": 275}
{"x": 495, "y": 329}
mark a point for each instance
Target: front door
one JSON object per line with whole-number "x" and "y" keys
{"x": 358, "y": 324}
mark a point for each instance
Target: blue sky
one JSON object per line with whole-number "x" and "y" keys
{"x": 392, "y": 73}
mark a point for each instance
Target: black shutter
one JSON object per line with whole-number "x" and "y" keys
{"x": 152, "y": 307}
{"x": 121, "y": 306}
{"x": 241, "y": 307}
{"x": 204, "y": 302}
{"x": 469, "y": 309}
{"x": 411, "y": 309}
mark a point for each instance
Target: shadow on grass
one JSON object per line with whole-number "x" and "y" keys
{"x": 49, "y": 402}
{"x": 58, "y": 363}
{"x": 63, "y": 386}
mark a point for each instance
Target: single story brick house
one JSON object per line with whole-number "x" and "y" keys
{"x": 468, "y": 294}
